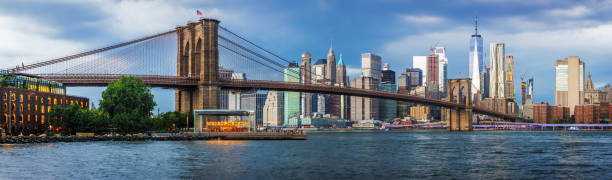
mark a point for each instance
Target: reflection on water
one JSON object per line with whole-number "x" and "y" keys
{"x": 226, "y": 143}
{"x": 325, "y": 155}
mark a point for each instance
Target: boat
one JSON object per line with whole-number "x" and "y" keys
{"x": 573, "y": 128}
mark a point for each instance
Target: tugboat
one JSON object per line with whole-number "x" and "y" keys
{"x": 573, "y": 128}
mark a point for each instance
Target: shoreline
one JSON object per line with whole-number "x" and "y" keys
{"x": 54, "y": 139}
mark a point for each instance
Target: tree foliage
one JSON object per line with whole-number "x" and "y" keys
{"x": 72, "y": 119}
{"x": 129, "y": 103}
{"x": 4, "y": 82}
{"x": 163, "y": 121}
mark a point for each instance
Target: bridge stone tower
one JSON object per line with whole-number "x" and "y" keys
{"x": 459, "y": 119}
{"x": 198, "y": 56}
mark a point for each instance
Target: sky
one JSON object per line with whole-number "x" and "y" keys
{"x": 535, "y": 32}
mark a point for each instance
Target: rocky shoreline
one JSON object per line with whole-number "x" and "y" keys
{"x": 54, "y": 139}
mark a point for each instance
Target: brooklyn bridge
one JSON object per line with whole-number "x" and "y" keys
{"x": 189, "y": 60}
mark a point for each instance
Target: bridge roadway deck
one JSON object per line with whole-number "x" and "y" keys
{"x": 192, "y": 82}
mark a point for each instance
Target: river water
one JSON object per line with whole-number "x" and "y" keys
{"x": 326, "y": 155}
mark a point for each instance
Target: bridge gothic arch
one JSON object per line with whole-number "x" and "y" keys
{"x": 459, "y": 119}
{"x": 198, "y": 56}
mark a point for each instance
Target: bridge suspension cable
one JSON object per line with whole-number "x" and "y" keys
{"x": 71, "y": 57}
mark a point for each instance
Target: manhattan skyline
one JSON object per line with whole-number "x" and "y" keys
{"x": 536, "y": 34}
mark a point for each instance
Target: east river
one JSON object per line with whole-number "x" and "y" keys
{"x": 432, "y": 154}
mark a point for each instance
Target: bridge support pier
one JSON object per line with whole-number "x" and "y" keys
{"x": 459, "y": 91}
{"x": 198, "y": 56}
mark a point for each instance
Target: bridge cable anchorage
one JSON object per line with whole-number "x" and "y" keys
{"x": 67, "y": 58}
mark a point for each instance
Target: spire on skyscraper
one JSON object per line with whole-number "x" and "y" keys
{"x": 476, "y": 25}
{"x": 331, "y": 45}
{"x": 340, "y": 62}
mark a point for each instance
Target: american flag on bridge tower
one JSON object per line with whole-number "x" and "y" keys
{"x": 198, "y": 12}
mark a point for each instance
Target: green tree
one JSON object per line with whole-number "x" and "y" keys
{"x": 163, "y": 121}
{"x": 129, "y": 103}
{"x": 73, "y": 119}
{"x": 4, "y": 82}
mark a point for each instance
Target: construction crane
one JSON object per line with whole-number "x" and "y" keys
{"x": 433, "y": 48}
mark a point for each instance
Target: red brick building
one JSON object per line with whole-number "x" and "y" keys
{"x": 542, "y": 113}
{"x": 560, "y": 113}
{"x": 587, "y": 114}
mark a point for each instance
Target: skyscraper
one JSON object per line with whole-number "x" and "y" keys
{"x": 370, "y": 65}
{"x": 569, "y": 82}
{"x": 497, "y": 72}
{"x": 366, "y": 108}
{"x": 318, "y": 71}
{"x": 432, "y": 71}
{"x": 292, "y": 99}
{"x": 342, "y": 81}
{"x": 407, "y": 81}
{"x": 475, "y": 58}
{"x": 530, "y": 88}
{"x": 331, "y": 67}
{"x": 224, "y": 94}
{"x": 306, "y": 79}
{"x": 251, "y": 100}
{"x": 388, "y": 76}
{"x": 442, "y": 68}
{"x": 273, "y": 109}
{"x": 388, "y": 108}
{"x": 341, "y": 78}
{"x": 234, "y": 96}
{"x": 485, "y": 82}
{"x": 420, "y": 62}
{"x": 510, "y": 77}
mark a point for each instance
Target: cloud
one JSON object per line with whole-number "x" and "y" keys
{"x": 598, "y": 85}
{"x": 574, "y": 12}
{"x": 27, "y": 40}
{"x": 131, "y": 19}
{"x": 422, "y": 19}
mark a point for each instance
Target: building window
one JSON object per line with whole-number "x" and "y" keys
{"x": 42, "y": 119}
{"x": 42, "y": 109}
{"x": 54, "y": 101}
